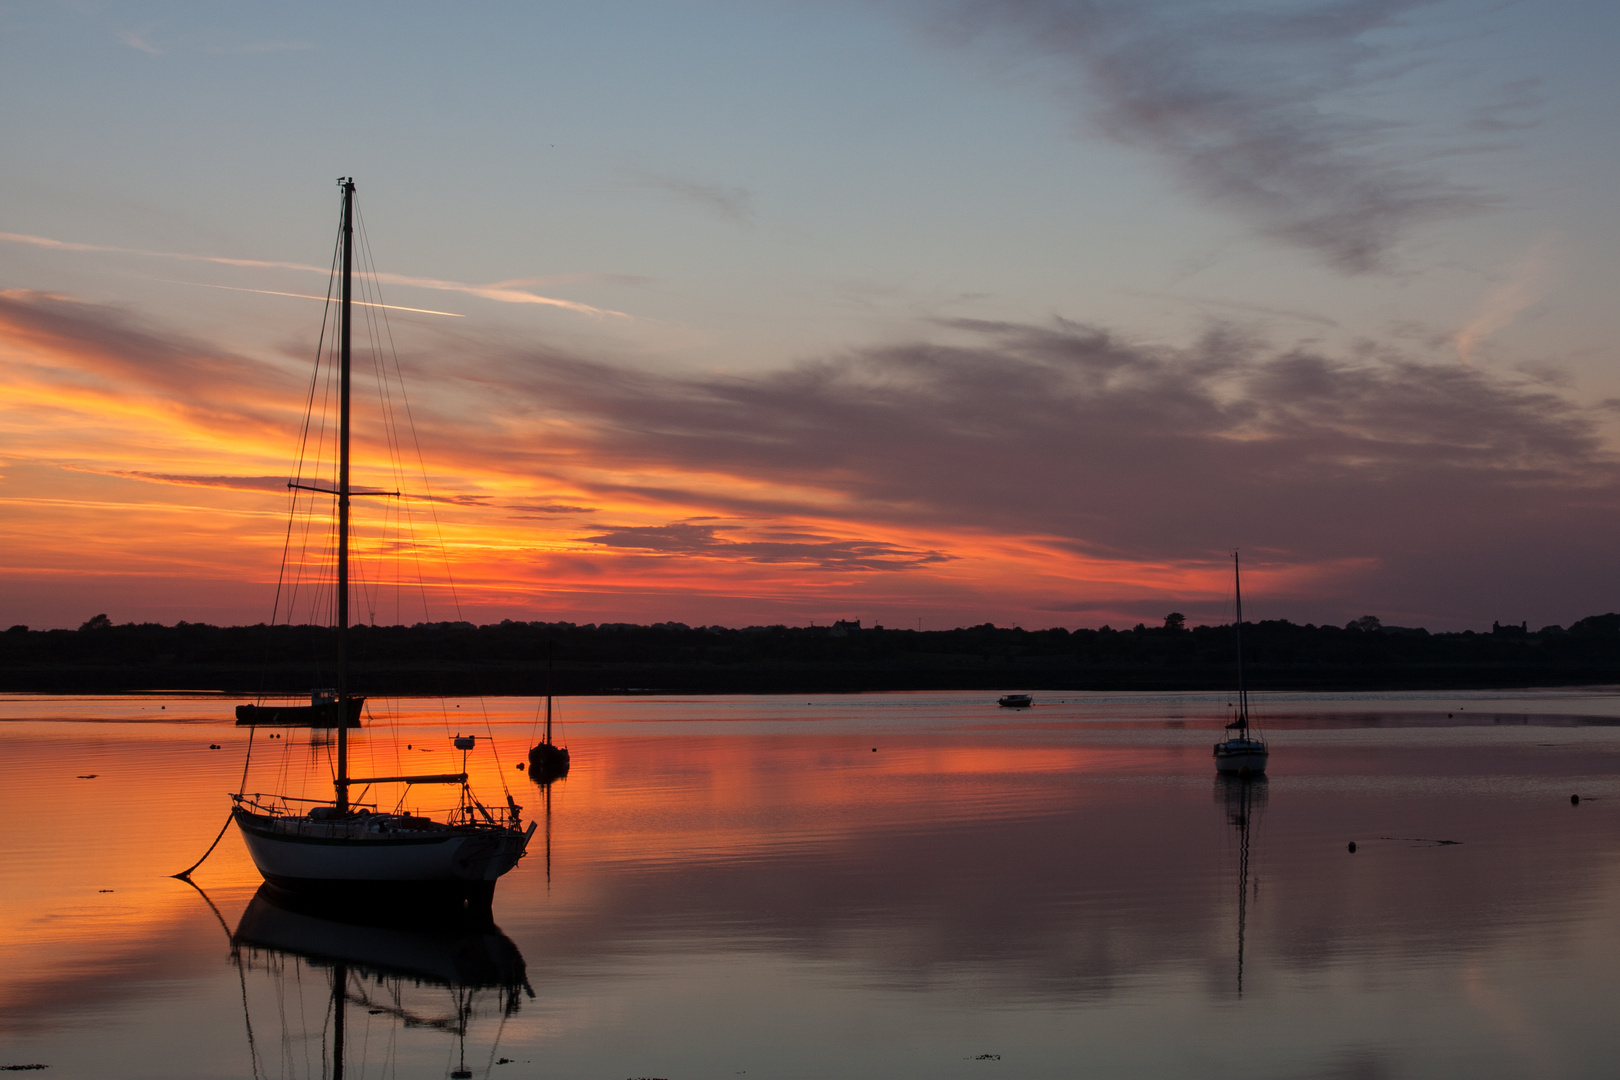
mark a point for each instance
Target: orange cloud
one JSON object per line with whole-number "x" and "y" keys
{"x": 1023, "y": 475}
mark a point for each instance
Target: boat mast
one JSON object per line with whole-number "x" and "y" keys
{"x": 342, "y": 781}
{"x": 1243, "y": 693}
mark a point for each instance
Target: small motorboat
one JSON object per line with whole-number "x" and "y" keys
{"x": 1015, "y": 701}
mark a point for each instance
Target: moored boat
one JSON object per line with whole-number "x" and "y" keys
{"x": 346, "y": 846}
{"x": 547, "y": 760}
{"x": 1241, "y": 753}
{"x": 1015, "y": 701}
{"x": 321, "y": 712}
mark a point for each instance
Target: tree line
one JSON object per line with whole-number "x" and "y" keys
{"x": 512, "y": 657}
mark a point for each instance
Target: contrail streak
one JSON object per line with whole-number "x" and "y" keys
{"x": 501, "y": 292}
{"x": 313, "y": 296}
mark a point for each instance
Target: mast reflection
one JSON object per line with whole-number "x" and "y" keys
{"x": 1244, "y": 798}
{"x": 544, "y": 784}
{"x": 428, "y": 971}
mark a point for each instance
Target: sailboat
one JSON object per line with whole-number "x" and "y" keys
{"x": 547, "y": 760}
{"x": 344, "y": 846}
{"x": 1240, "y": 752}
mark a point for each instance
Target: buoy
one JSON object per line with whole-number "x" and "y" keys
{"x": 520, "y": 766}
{"x": 874, "y": 749}
{"x": 1352, "y": 847}
{"x": 1574, "y": 800}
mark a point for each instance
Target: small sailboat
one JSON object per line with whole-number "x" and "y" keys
{"x": 1240, "y": 752}
{"x": 345, "y": 846}
{"x": 1015, "y": 701}
{"x": 547, "y": 760}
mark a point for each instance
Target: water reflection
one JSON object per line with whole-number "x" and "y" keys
{"x": 1244, "y": 797}
{"x": 425, "y": 971}
{"x": 786, "y": 901}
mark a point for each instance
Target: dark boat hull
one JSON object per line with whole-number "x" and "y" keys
{"x": 1241, "y": 757}
{"x": 345, "y": 858}
{"x": 548, "y": 762}
{"x": 311, "y": 716}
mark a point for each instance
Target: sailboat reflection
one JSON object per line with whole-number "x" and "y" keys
{"x": 1244, "y": 798}
{"x": 544, "y": 784}
{"x": 427, "y": 972}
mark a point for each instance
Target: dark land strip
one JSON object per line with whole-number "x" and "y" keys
{"x": 515, "y": 658}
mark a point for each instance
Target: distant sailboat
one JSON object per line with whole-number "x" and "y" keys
{"x": 1240, "y": 753}
{"x": 547, "y": 760}
{"x": 345, "y": 847}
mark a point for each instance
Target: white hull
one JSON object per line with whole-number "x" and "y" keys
{"x": 1244, "y": 757}
{"x": 299, "y": 854}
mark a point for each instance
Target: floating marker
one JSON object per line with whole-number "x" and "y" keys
{"x": 1352, "y": 847}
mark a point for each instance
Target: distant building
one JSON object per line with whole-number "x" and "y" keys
{"x": 842, "y": 627}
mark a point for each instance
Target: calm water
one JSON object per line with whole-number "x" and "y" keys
{"x": 897, "y": 885}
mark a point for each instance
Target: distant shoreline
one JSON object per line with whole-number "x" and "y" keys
{"x": 463, "y": 681}
{"x": 514, "y": 658}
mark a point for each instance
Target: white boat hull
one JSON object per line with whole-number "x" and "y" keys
{"x": 331, "y": 856}
{"x": 1243, "y": 757}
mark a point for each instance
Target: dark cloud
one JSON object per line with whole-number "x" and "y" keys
{"x": 1245, "y": 104}
{"x": 800, "y": 548}
{"x": 120, "y": 350}
{"x": 1444, "y": 491}
{"x": 242, "y": 483}
{"x": 551, "y": 510}
{"x": 1426, "y": 493}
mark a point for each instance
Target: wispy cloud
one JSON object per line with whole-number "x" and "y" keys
{"x": 500, "y": 292}
{"x": 1524, "y": 285}
{"x": 266, "y": 45}
{"x": 140, "y": 39}
{"x": 1243, "y": 102}
{"x": 143, "y": 39}
{"x": 827, "y": 553}
{"x": 733, "y": 204}
{"x": 238, "y": 483}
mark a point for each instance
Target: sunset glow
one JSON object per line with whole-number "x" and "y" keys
{"x": 672, "y": 362}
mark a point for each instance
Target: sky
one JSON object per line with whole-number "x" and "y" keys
{"x": 925, "y": 314}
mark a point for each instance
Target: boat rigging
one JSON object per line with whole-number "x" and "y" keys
{"x": 345, "y": 846}
{"x": 1241, "y": 752}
